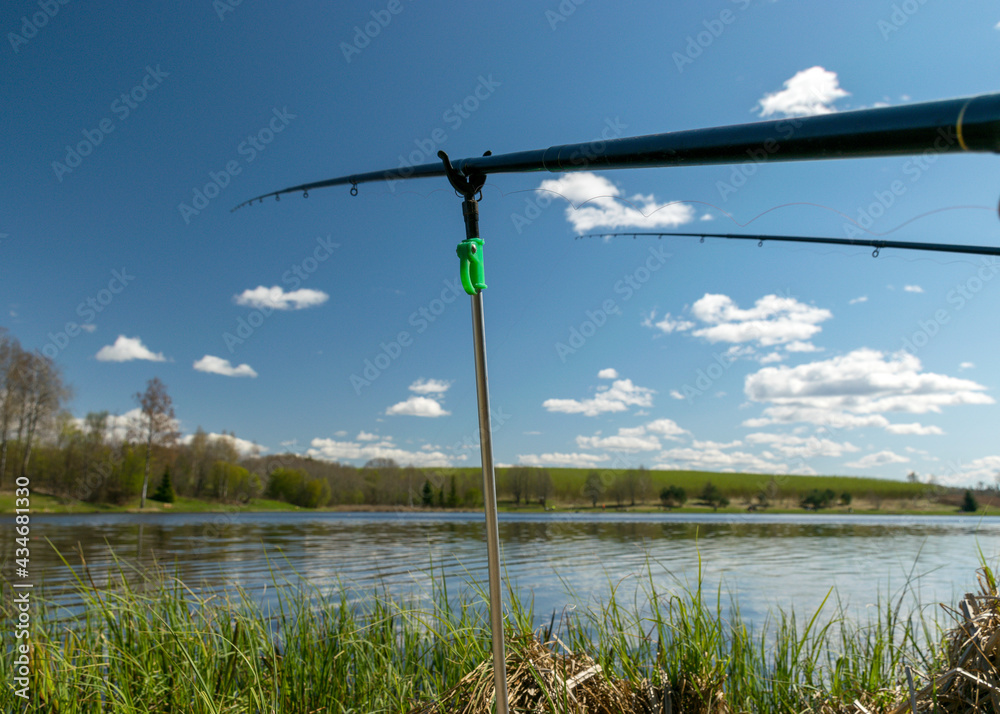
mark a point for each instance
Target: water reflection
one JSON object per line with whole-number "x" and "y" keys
{"x": 765, "y": 560}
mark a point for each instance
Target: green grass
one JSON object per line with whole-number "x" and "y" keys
{"x": 157, "y": 646}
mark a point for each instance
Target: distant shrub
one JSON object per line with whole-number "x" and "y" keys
{"x": 816, "y": 499}
{"x": 969, "y": 503}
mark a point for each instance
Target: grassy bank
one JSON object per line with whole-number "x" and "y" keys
{"x": 157, "y": 646}
{"x": 44, "y": 503}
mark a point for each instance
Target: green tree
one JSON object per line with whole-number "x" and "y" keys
{"x": 452, "y": 501}
{"x": 846, "y": 498}
{"x": 712, "y": 496}
{"x": 165, "y": 491}
{"x": 593, "y": 488}
{"x": 229, "y": 481}
{"x": 673, "y": 496}
{"x": 285, "y": 484}
{"x": 314, "y": 493}
{"x": 427, "y": 495}
{"x": 969, "y": 503}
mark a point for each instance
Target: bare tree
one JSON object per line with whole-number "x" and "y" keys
{"x": 40, "y": 392}
{"x": 157, "y": 423}
{"x": 518, "y": 483}
{"x": 9, "y": 351}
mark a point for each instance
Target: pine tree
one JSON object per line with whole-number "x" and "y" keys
{"x": 969, "y": 503}
{"x": 165, "y": 491}
{"x": 427, "y": 495}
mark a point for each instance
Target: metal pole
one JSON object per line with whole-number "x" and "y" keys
{"x": 490, "y": 499}
{"x": 470, "y": 253}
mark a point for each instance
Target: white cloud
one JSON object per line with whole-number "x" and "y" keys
{"x": 621, "y": 442}
{"x": 797, "y": 447}
{"x": 277, "y": 299}
{"x": 88, "y": 327}
{"x": 986, "y": 469}
{"x": 342, "y": 433}
{"x": 333, "y": 450}
{"x": 914, "y": 429}
{"x": 913, "y": 288}
{"x": 666, "y": 428}
{"x": 997, "y": 26}
{"x": 967, "y": 365}
{"x": 811, "y": 91}
{"x": 217, "y": 365}
{"x": 676, "y": 395}
{"x": 855, "y": 389}
{"x": 878, "y": 459}
{"x": 243, "y": 446}
{"x": 609, "y": 373}
{"x": 772, "y": 357}
{"x": 668, "y": 324}
{"x": 617, "y": 398}
{"x": 855, "y": 301}
{"x": 713, "y": 458}
{"x": 430, "y": 386}
{"x": 595, "y": 203}
{"x": 362, "y": 436}
{"x": 577, "y": 461}
{"x": 126, "y": 349}
{"x": 418, "y": 406}
{"x": 802, "y": 347}
{"x": 715, "y": 444}
{"x": 773, "y": 320}
{"x": 707, "y": 217}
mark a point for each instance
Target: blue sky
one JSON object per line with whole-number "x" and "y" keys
{"x": 133, "y": 130}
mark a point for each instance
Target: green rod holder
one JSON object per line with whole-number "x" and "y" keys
{"x": 470, "y": 253}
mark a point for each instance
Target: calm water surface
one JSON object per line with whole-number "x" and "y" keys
{"x": 765, "y": 561}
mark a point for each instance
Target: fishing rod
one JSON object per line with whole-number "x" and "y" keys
{"x": 970, "y": 124}
{"x": 878, "y": 245}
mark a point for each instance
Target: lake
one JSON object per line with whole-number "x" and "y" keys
{"x": 767, "y": 561}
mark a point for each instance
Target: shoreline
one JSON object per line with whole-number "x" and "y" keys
{"x": 43, "y": 504}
